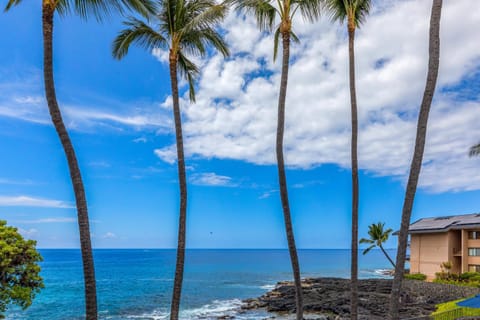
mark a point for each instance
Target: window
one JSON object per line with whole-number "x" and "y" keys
{"x": 474, "y": 252}
{"x": 474, "y": 268}
{"x": 474, "y": 235}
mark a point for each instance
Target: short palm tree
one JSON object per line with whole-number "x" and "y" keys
{"x": 378, "y": 236}
{"x": 416, "y": 165}
{"x": 83, "y": 8}
{"x": 265, "y": 12}
{"x": 355, "y": 13}
{"x": 184, "y": 27}
{"x": 475, "y": 150}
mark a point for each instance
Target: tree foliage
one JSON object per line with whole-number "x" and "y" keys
{"x": 378, "y": 236}
{"x": 20, "y": 280}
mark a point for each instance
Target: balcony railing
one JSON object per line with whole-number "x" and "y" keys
{"x": 457, "y": 252}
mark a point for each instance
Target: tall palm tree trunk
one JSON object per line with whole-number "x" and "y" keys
{"x": 434, "y": 57}
{"x": 283, "y": 179}
{"x": 353, "y": 102}
{"x": 48, "y": 10}
{"x": 386, "y": 255}
{"x": 177, "y": 285}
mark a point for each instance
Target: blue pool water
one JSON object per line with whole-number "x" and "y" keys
{"x": 136, "y": 284}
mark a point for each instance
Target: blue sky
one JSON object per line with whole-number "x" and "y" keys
{"x": 119, "y": 117}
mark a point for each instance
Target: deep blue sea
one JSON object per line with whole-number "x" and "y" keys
{"x": 136, "y": 284}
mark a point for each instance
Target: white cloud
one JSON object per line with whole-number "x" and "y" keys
{"x": 15, "y": 182}
{"x": 211, "y": 179}
{"x": 267, "y": 194}
{"x": 235, "y": 114}
{"x": 48, "y": 220}
{"x": 28, "y": 233}
{"x": 167, "y": 154}
{"x": 109, "y": 235}
{"x": 25, "y": 101}
{"x": 27, "y": 201}
{"x": 100, "y": 164}
{"x": 140, "y": 140}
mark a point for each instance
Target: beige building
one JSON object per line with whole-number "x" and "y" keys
{"x": 436, "y": 240}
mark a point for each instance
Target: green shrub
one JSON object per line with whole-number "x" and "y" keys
{"x": 416, "y": 276}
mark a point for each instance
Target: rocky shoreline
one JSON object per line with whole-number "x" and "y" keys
{"x": 329, "y": 298}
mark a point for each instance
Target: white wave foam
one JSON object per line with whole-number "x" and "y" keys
{"x": 216, "y": 309}
{"x": 268, "y": 287}
{"x": 213, "y": 310}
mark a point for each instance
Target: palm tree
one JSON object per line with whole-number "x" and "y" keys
{"x": 183, "y": 27}
{"x": 475, "y": 150}
{"x": 355, "y": 13}
{"x": 265, "y": 13}
{"x": 434, "y": 58}
{"x": 377, "y": 237}
{"x": 82, "y": 8}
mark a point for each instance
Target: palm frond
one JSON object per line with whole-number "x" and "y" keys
{"x": 263, "y": 11}
{"x": 206, "y": 16}
{"x": 12, "y": 3}
{"x": 275, "y": 43}
{"x": 294, "y": 37}
{"x": 137, "y": 32}
{"x": 362, "y": 9}
{"x": 310, "y": 9}
{"x": 336, "y": 10}
{"x": 365, "y": 240}
{"x": 368, "y": 249}
{"x": 190, "y": 72}
{"x": 474, "y": 150}
{"x": 104, "y": 8}
{"x": 339, "y": 10}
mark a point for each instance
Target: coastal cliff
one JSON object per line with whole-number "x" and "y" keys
{"x": 329, "y": 298}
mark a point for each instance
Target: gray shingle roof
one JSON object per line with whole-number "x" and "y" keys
{"x": 442, "y": 224}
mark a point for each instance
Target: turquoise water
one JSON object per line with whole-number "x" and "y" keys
{"x": 136, "y": 284}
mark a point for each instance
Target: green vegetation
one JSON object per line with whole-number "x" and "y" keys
{"x": 378, "y": 236}
{"x": 19, "y": 270}
{"x": 468, "y": 279}
{"x": 415, "y": 276}
{"x": 450, "y": 310}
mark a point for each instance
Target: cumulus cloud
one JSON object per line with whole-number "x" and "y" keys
{"x": 27, "y": 201}
{"x": 211, "y": 179}
{"x": 235, "y": 113}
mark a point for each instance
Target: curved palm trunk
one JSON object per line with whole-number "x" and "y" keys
{"x": 283, "y": 179}
{"x": 386, "y": 255}
{"x": 177, "y": 285}
{"x": 353, "y": 101}
{"x": 434, "y": 57}
{"x": 48, "y": 10}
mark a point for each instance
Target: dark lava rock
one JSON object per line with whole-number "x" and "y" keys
{"x": 330, "y": 297}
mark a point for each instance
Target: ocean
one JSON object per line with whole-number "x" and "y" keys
{"x": 137, "y": 283}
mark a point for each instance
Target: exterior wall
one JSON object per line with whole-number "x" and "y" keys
{"x": 454, "y": 239}
{"x": 428, "y": 251}
{"x": 471, "y": 243}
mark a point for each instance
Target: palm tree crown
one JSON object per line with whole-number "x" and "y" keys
{"x": 378, "y": 236}
{"x": 184, "y": 27}
{"x": 354, "y": 11}
{"x": 265, "y": 12}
